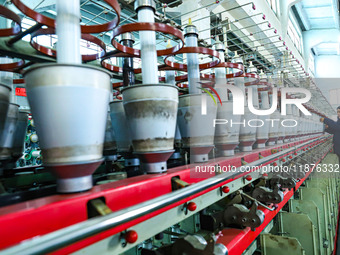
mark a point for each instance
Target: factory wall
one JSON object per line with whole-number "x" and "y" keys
{"x": 327, "y": 67}
{"x": 327, "y": 77}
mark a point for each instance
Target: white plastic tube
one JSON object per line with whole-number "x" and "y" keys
{"x": 170, "y": 75}
{"x": 170, "y": 78}
{"x": 148, "y": 48}
{"x": 265, "y": 100}
{"x": 221, "y": 80}
{"x": 239, "y": 82}
{"x": 193, "y": 66}
{"x": 68, "y": 31}
{"x": 220, "y": 73}
{"x": 225, "y": 37}
{"x": 255, "y": 98}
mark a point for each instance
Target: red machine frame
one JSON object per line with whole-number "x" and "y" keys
{"x": 29, "y": 219}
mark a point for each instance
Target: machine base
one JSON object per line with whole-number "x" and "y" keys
{"x": 246, "y": 148}
{"x": 260, "y": 145}
{"x": 154, "y": 162}
{"x": 76, "y": 177}
{"x": 72, "y": 185}
{"x": 227, "y": 153}
{"x": 200, "y": 154}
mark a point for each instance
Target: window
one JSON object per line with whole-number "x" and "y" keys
{"x": 334, "y": 96}
{"x": 311, "y": 63}
{"x": 275, "y": 5}
{"x": 294, "y": 33}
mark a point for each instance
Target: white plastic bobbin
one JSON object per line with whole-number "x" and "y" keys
{"x": 170, "y": 76}
{"x": 239, "y": 81}
{"x": 68, "y": 31}
{"x": 146, "y": 13}
{"x": 191, "y": 36}
{"x": 220, "y": 73}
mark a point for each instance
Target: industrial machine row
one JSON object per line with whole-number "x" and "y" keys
{"x": 193, "y": 155}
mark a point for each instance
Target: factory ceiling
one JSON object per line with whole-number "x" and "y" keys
{"x": 320, "y": 15}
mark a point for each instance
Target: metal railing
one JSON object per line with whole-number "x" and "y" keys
{"x": 66, "y": 236}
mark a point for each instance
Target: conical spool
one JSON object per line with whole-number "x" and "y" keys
{"x": 69, "y": 107}
{"x": 197, "y": 129}
{"x": 151, "y": 111}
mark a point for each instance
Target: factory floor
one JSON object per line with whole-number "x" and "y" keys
{"x": 331, "y": 158}
{"x": 337, "y": 245}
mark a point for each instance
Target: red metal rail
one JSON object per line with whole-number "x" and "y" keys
{"x": 41, "y": 216}
{"x": 336, "y": 233}
{"x": 237, "y": 240}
